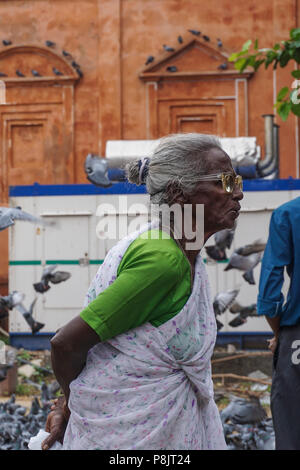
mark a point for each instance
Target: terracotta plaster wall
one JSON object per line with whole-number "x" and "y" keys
{"x": 111, "y": 40}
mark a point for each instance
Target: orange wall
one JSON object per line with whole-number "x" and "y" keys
{"x": 111, "y": 39}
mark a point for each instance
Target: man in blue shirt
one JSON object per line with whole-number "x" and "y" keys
{"x": 283, "y": 251}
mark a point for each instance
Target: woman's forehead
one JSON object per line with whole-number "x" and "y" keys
{"x": 218, "y": 160}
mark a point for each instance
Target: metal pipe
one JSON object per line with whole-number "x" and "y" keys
{"x": 271, "y": 172}
{"x": 269, "y": 146}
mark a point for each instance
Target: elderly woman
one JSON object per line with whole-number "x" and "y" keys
{"x": 134, "y": 366}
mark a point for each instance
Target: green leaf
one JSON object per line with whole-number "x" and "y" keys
{"x": 276, "y": 47}
{"x": 282, "y": 93}
{"x": 295, "y": 33}
{"x": 296, "y": 73}
{"x": 236, "y": 55}
{"x": 296, "y": 109}
{"x": 246, "y": 45}
{"x": 258, "y": 63}
{"x": 256, "y": 44}
{"x": 296, "y": 55}
{"x": 284, "y": 110}
{"x": 284, "y": 58}
{"x": 295, "y": 44}
{"x": 240, "y": 64}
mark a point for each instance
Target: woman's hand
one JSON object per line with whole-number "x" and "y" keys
{"x": 56, "y": 423}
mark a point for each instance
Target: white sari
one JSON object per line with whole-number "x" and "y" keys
{"x": 151, "y": 387}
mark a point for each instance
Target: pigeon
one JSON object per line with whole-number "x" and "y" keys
{"x": 223, "y": 66}
{"x": 75, "y": 65}
{"x": 20, "y": 74}
{"x": 219, "y": 42}
{"x": 223, "y": 240}
{"x": 180, "y": 40}
{"x": 168, "y": 48}
{"x": 244, "y": 263}
{"x": 150, "y": 59}
{"x": 8, "y": 215}
{"x": 255, "y": 247}
{"x": 242, "y": 411}
{"x": 56, "y": 71}
{"x": 223, "y": 301}
{"x": 66, "y": 54}
{"x": 27, "y": 314}
{"x": 216, "y": 253}
{"x": 171, "y": 68}
{"x": 14, "y": 300}
{"x": 79, "y": 71}
{"x": 35, "y": 73}
{"x": 50, "y": 44}
{"x": 49, "y": 276}
{"x": 244, "y": 313}
{"x": 194, "y": 32}
{"x": 96, "y": 171}
{"x": 3, "y": 74}
{"x": 6, "y": 42}
{"x": 206, "y": 38}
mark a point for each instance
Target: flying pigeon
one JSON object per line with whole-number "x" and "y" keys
{"x": 8, "y": 215}
{"x": 255, "y": 247}
{"x": 50, "y": 43}
{"x": 180, "y": 40}
{"x": 49, "y": 276}
{"x": 194, "y": 32}
{"x": 35, "y": 73}
{"x": 216, "y": 253}
{"x": 244, "y": 263}
{"x": 244, "y": 313}
{"x": 206, "y": 38}
{"x": 150, "y": 59}
{"x": 223, "y": 301}
{"x": 223, "y": 66}
{"x": 14, "y": 300}
{"x": 96, "y": 171}
{"x": 223, "y": 240}
{"x": 168, "y": 48}
{"x": 6, "y": 42}
{"x": 19, "y": 73}
{"x": 171, "y": 68}
{"x": 27, "y": 314}
{"x": 219, "y": 42}
{"x": 56, "y": 71}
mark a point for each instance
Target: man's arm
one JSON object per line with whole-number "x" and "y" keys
{"x": 277, "y": 255}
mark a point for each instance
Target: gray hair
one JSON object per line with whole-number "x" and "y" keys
{"x": 178, "y": 158}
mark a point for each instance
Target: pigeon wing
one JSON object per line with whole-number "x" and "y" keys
{"x": 59, "y": 276}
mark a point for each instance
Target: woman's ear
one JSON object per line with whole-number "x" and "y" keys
{"x": 175, "y": 194}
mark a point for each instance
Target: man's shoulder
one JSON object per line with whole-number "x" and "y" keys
{"x": 288, "y": 207}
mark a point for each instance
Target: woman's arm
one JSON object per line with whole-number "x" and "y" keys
{"x": 69, "y": 349}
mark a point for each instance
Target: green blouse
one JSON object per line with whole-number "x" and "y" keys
{"x": 153, "y": 284}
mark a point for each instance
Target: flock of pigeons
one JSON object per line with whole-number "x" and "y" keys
{"x": 244, "y": 259}
{"x": 8, "y": 216}
{"x": 35, "y": 73}
{"x": 180, "y": 40}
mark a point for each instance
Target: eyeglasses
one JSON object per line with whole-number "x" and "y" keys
{"x": 229, "y": 181}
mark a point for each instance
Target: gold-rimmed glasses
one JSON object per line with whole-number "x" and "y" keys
{"x": 229, "y": 180}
